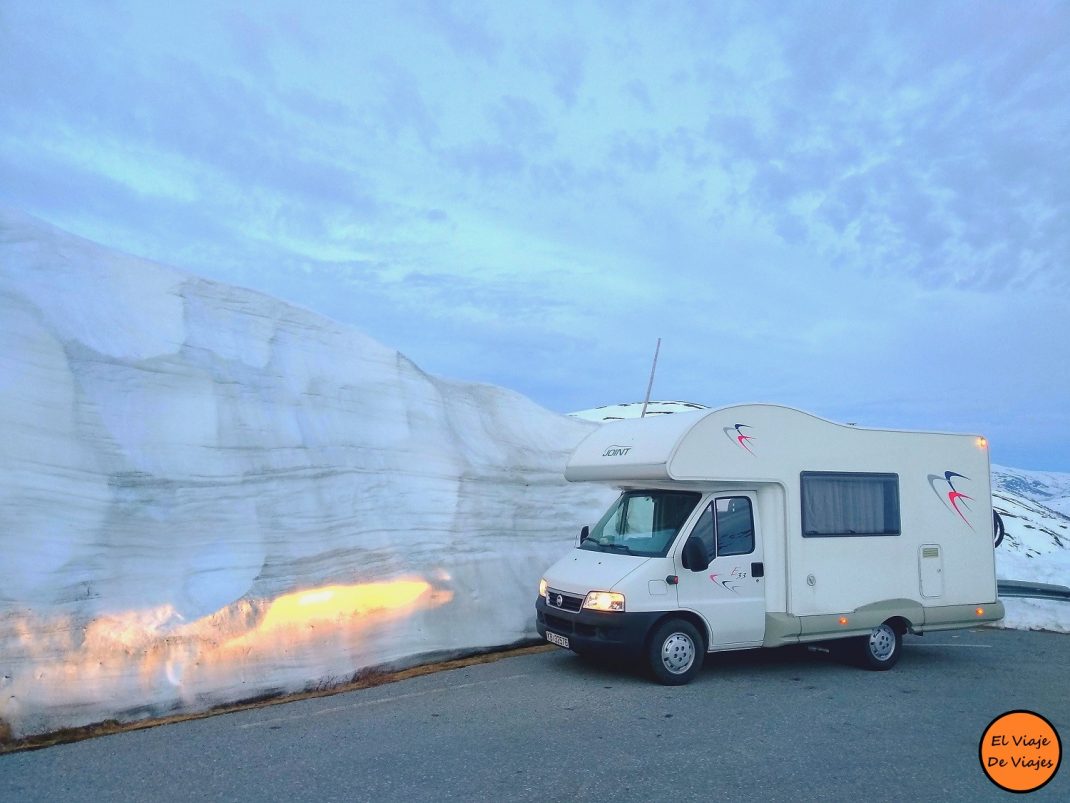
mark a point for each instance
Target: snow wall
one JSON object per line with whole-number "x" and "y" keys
{"x": 207, "y": 494}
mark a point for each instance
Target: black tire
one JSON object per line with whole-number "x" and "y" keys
{"x": 675, "y": 652}
{"x": 998, "y": 531}
{"x": 881, "y": 649}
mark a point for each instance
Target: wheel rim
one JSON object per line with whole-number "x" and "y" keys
{"x": 882, "y": 643}
{"x": 678, "y": 653}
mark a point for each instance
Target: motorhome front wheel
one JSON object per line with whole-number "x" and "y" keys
{"x": 675, "y": 652}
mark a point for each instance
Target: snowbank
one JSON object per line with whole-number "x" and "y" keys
{"x": 207, "y": 494}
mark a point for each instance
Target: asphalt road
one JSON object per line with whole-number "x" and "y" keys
{"x": 759, "y": 725}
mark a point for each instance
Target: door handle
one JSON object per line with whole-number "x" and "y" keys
{"x": 757, "y": 570}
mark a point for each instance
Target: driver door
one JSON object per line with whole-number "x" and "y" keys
{"x": 730, "y": 593}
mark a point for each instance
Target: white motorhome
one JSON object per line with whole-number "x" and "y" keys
{"x": 760, "y": 526}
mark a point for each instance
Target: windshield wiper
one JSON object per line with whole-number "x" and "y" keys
{"x": 618, "y": 548}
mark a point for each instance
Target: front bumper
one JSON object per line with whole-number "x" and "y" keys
{"x": 596, "y": 631}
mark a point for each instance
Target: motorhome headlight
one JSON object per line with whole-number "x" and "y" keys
{"x": 604, "y": 601}
{"x": 542, "y": 587}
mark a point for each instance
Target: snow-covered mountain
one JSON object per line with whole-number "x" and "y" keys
{"x": 1049, "y": 488}
{"x": 1037, "y": 545}
{"x": 207, "y": 494}
{"x": 615, "y": 412}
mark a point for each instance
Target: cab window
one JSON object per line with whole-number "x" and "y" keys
{"x": 735, "y": 525}
{"x": 726, "y": 527}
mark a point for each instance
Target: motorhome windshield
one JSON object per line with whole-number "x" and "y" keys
{"x": 643, "y": 523}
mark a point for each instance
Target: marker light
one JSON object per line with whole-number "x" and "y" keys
{"x": 843, "y": 620}
{"x": 604, "y": 601}
{"x": 982, "y": 443}
{"x": 980, "y": 611}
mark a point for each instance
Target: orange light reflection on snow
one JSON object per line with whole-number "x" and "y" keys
{"x": 334, "y": 606}
{"x": 333, "y": 602}
{"x": 139, "y": 643}
{"x": 139, "y": 657}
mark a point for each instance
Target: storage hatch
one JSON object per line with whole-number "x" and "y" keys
{"x": 931, "y": 570}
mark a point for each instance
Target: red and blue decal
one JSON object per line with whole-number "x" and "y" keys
{"x": 740, "y": 438}
{"x": 734, "y": 578}
{"x": 943, "y": 485}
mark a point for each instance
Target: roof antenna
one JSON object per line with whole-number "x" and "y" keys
{"x": 650, "y": 384}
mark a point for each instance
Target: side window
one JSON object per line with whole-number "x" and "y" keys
{"x": 735, "y": 526}
{"x": 704, "y": 530}
{"x": 846, "y": 504}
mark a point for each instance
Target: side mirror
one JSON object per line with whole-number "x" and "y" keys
{"x": 694, "y": 557}
{"x": 584, "y": 532}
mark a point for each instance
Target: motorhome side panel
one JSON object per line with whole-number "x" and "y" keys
{"x": 843, "y": 573}
{"x": 944, "y": 495}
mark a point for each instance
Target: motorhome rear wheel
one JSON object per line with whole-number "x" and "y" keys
{"x": 881, "y": 648}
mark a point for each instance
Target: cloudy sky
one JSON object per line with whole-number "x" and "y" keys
{"x": 859, "y": 209}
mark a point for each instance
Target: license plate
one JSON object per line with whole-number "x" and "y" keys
{"x": 560, "y": 641}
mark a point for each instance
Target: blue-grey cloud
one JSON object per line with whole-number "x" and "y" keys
{"x": 635, "y": 88}
{"x": 563, "y": 60}
{"x": 798, "y": 199}
{"x": 639, "y": 151}
{"x": 520, "y": 121}
{"x": 467, "y": 29}
{"x": 488, "y": 161}
{"x": 402, "y": 107}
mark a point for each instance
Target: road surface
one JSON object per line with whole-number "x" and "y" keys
{"x": 765, "y": 724}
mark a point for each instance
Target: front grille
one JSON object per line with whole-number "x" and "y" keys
{"x": 568, "y": 628}
{"x": 568, "y": 602}
{"x": 558, "y": 624}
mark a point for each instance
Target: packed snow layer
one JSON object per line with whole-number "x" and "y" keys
{"x": 207, "y": 494}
